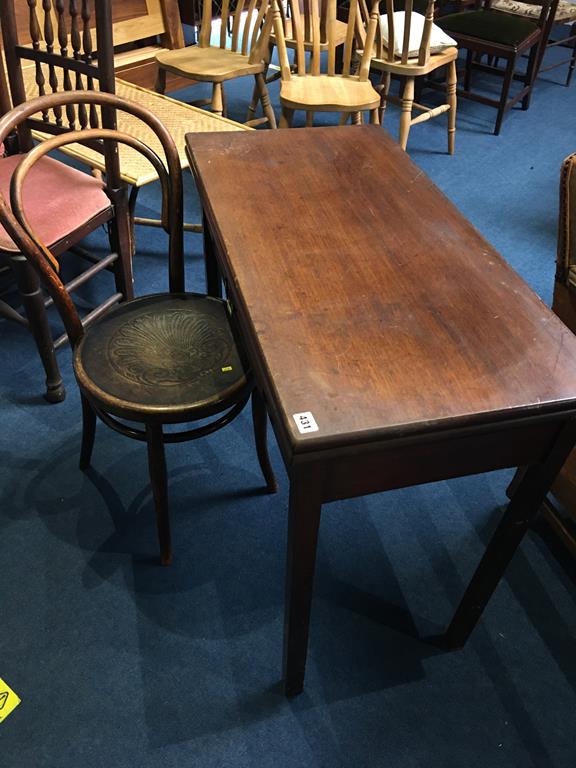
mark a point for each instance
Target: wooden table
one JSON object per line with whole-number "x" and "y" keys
{"x": 393, "y": 345}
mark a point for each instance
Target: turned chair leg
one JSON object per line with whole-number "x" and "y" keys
{"x": 286, "y": 118}
{"x": 260, "y": 423}
{"x": 159, "y": 483}
{"x": 406, "y": 116}
{"x": 265, "y": 99}
{"x": 451, "y": 81}
{"x": 88, "y": 432}
{"x": 33, "y": 299}
{"x": 217, "y": 104}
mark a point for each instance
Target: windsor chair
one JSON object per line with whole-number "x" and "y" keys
{"x": 250, "y": 24}
{"x": 167, "y": 358}
{"x": 410, "y": 45}
{"x": 307, "y": 88}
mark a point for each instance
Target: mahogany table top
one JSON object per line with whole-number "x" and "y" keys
{"x": 371, "y": 302}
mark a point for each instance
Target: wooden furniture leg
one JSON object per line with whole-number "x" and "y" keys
{"x": 217, "y": 104}
{"x": 406, "y": 116}
{"x": 33, "y": 299}
{"x": 451, "y": 81}
{"x": 260, "y": 423}
{"x": 213, "y": 278}
{"x": 286, "y": 118}
{"x": 159, "y": 483}
{"x": 383, "y": 90}
{"x": 88, "y": 433}
{"x": 303, "y": 526}
{"x": 508, "y": 77}
{"x": 265, "y": 99}
{"x": 520, "y": 514}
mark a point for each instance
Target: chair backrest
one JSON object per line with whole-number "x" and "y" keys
{"x": 309, "y": 26}
{"x": 395, "y": 40}
{"x": 248, "y": 23}
{"x": 547, "y": 9}
{"x": 13, "y": 216}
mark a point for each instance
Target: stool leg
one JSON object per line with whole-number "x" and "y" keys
{"x": 159, "y": 482}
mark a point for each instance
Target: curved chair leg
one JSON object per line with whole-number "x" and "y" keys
{"x": 159, "y": 483}
{"x": 260, "y": 422}
{"x": 286, "y": 118}
{"x": 265, "y": 99}
{"x": 33, "y": 300}
{"x": 88, "y": 433}
{"x": 451, "y": 81}
{"x": 406, "y": 116}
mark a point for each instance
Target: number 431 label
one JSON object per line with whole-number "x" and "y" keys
{"x": 305, "y": 422}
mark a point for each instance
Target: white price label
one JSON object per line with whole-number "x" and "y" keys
{"x": 305, "y": 422}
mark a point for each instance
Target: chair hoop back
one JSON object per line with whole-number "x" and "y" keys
{"x": 14, "y": 218}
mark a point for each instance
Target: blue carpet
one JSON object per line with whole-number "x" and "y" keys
{"x": 121, "y": 663}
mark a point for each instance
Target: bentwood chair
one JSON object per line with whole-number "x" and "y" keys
{"x": 563, "y": 17}
{"x": 64, "y": 204}
{"x": 309, "y": 89}
{"x": 162, "y": 359}
{"x": 499, "y": 36}
{"x": 410, "y": 45}
{"x": 250, "y": 24}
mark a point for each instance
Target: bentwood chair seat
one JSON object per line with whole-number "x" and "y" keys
{"x": 161, "y": 359}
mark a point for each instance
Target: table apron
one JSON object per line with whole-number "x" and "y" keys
{"x": 356, "y": 471}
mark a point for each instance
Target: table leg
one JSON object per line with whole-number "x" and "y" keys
{"x": 303, "y": 525}
{"x": 213, "y": 279}
{"x": 523, "y": 508}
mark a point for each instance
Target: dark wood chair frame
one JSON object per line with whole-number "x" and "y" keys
{"x": 476, "y": 48}
{"x": 85, "y": 72}
{"x": 225, "y": 405}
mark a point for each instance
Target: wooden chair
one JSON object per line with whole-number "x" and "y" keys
{"x": 485, "y": 32}
{"x": 250, "y": 25}
{"x": 65, "y": 204}
{"x": 309, "y": 89}
{"x": 161, "y": 359}
{"x": 31, "y": 75}
{"x": 563, "y": 16}
{"x": 140, "y": 30}
{"x": 410, "y": 45}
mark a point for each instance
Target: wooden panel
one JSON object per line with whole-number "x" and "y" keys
{"x": 375, "y": 304}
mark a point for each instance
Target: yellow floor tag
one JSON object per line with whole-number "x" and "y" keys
{"x": 8, "y": 700}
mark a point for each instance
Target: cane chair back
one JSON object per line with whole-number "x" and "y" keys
{"x": 306, "y": 86}
{"x": 165, "y": 358}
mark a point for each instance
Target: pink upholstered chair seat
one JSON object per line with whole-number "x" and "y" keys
{"x": 57, "y": 199}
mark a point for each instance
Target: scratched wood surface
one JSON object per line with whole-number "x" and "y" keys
{"x": 370, "y": 300}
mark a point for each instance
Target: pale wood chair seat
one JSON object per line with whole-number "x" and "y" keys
{"x": 340, "y": 28}
{"x": 330, "y": 93}
{"x": 411, "y": 68}
{"x": 214, "y": 65}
